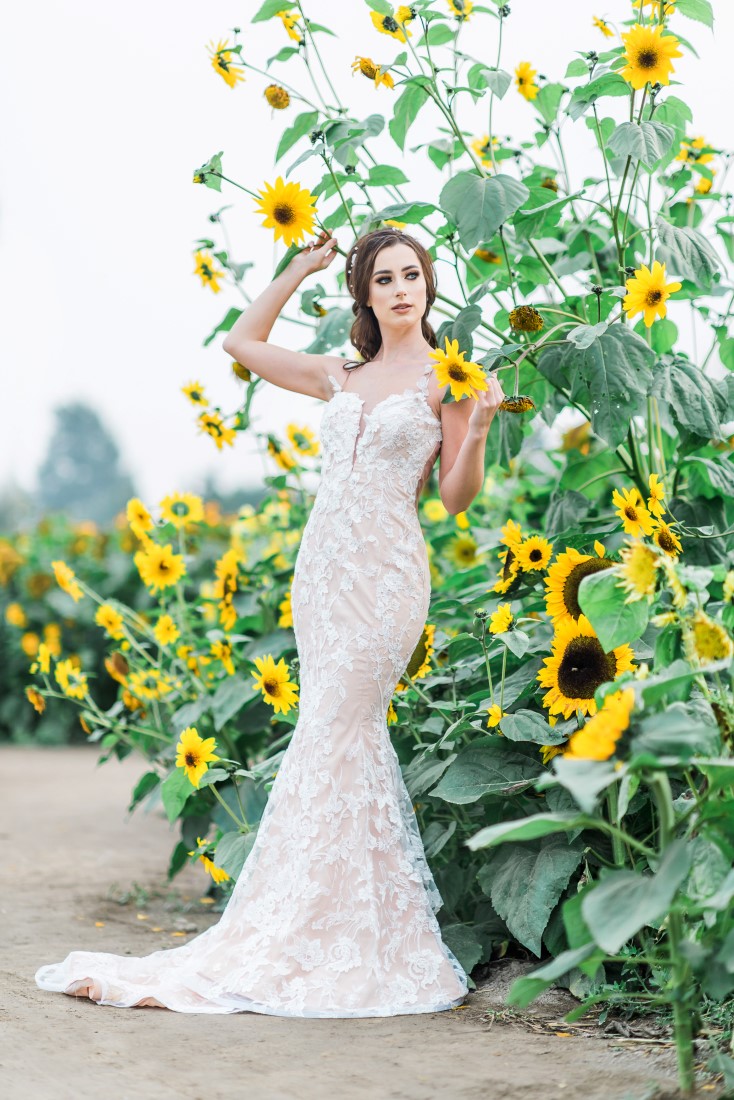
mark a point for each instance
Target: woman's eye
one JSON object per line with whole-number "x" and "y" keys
{"x": 386, "y": 278}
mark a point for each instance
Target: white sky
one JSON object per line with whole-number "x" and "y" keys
{"x": 108, "y": 109}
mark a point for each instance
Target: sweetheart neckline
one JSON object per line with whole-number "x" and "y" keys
{"x": 409, "y": 391}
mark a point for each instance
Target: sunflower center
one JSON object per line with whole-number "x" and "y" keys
{"x": 284, "y": 214}
{"x": 457, "y": 372}
{"x": 665, "y": 541}
{"x": 653, "y": 297}
{"x": 390, "y": 24}
{"x": 574, "y": 579}
{"x": 631, "y": 513}
{"x": 536, "y": 555}
{"x": 191, "y": 759}
{"x": 584, "y": 667}
{"x": 647, "y": 59}
{"x": 272, "y": 687}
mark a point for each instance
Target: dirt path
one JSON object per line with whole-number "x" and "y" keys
{"x": 70, "y": 849}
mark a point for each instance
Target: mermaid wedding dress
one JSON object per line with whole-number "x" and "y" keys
{"x": 333, "y": 913}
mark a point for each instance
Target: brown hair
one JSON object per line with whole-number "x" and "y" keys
{"x": 365, "y": 334}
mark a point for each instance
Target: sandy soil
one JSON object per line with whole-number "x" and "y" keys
{"x": 73, "y": 857}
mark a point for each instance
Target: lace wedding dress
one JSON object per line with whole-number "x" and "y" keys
{"x": 333, "y": 913}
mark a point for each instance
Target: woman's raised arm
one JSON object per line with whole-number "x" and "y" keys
{"x": 247, "y": 340}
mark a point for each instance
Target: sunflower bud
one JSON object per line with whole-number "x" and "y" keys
{"x": 518, "y": 403}
{"x": 526, "y": 319}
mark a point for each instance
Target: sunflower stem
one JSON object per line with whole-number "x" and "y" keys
{"x": 502, "y": 684}
{"x": 613, "y": 810}
{"x": 217, "y": 795}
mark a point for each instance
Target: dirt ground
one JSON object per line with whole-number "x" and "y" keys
{"x": 78, "y": 872}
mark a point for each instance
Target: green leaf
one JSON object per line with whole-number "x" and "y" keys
{"x": 412, "y": 212}
{"x": 382, "y": 175}
{"x": 230, "y": 696}
{"x": 624, "y": 902}
{"x": 583, "y": 779}
{"x": 648, "y": 142}
{"x": 406, "y": 111}
{"x": 332, "y": 332}
{"x": 175, "y": 790}
{"x": 700, "y": 10}
{"x": 610, "y": 84}
{"x": 525, "y": 882}
{"x": 686, "y": 252}
{"x": 461, "y": 939}
{"x": 548, "y": 100}
{"x": 478, "y": 207}
{"x": 526, "y": 989}
{"x": 602, "y": 602}
{"x": 232, "y": 851}
{"x": 527, "y": 828}
{"x": 577, "y": 67}
{"x": 487, "y": 767}
{"x": 268, "y": 11}
{"x": 710, "y": 477}
{"x": 301, "y": 125}
{"x": 528, "y": 725}
{"x": 614, "y": 371}
{"x": 497, "y": 80}
{"x": 674, "y": 112}
{"x": 144, "y": 786}
{"x": 689, "y": 394}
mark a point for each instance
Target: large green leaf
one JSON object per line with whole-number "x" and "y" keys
{"x": 609, "y": 84}
{"x": 231, "y": 694}
{"x": 232, "y": 851}
{"x": 462, "y": 940}
{"x": 527, "y": 828}
{"x": 406, "y": 110}
{"x": 686, "y": 252}
{"x": 300, "y": 126}
{"x": 710, "y": 477}
{"x": 603, "y": 603}
{"x": 528, "y": 725}
{"x": 479, "y": 206}
{"x": 526, "y": 989}
{"x": 487, "y": 767}
{"x": 700, "y": 10}
{"x": 624, "y": 901}
{"x": 692, "y": 400}
{"x": 645, "y": 141}
{"x": 175, "y": 790}
{"x": 525, "y": 882}
{"x": 583, "y": 779}
{"x": 612, "y": 375}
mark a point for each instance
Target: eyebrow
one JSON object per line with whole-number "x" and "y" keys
{"x": 388, "y": 271}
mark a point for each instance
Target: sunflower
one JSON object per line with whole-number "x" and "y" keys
{"x": 194, "y": 754}
{"x": 29, "y": 643}
{"x": 524, "y": 80}
{"x": 285, "y": 607}
{"x": 647, "y": 293}
{"x": 525, "y": 319}
{"x": 288, "y": 210}
{"x": 419, "y": 664}
{"x": 213, "y": 425}
{"x": 511, "y": 534}
{"x": 703, "y": 186}
{"x": 289, "y": 20}
{"x": 283, "y": 458}
{"x": 564, "y": 578}
{"x": 578, "y": 666}
{"x": 534, "y": 553}
{"x": 165, "y": 630}
{"x": 277, "y": 97}
{"x": 221, "y": 56}
{"x": 657, "y": 496}
{"x": 501, "y": 620}
{"x": 149, "y": 684}
{"x": 463, "y": 378}
{"x": 243, "y": 373}
{"x": 368, "y": 68}
{"x": 15, "y": 615}
{"x": 223, "y": 652}
{"x": 195, "y": 393}
{"x": 110, "y": 620}
{"x": 649, "y": 53}
{"x": 483, "y": 148}
{"x": 690, "y": 151}
{"x": 159, "y": 567}
{"x": 463, "y": 551}
{"x": 217, "y": 873}
{"x": 42, "y": 662}
{"x": 207, "y": 272}
{"x": 633, "y": 513}
{"x": 52, "y": 638}
{"x": 603, "y": 26}
{"x": 705, "y": 640}
{"x": 117, "y": 667}
{"x": 496, "y": 714}
{"x": 302, "y": 440}
{"x": 547, "y": 752}
{"x": 36, "y": 700}
{"x": 666, "y": 538}
{"x": 728, "y": 587}
{"x": 182, "y": 508}
{"x": 487, "y": 256}
{"x": 71, "y": 679}
{"x": 462, "y": 9}
{"x": 638, "y": 571}
{"x": 389, "y": 24}
{"x": 597, "y": 740}
{"x": 510, "y": 571}
{"x": 272, "y": 680}
{"x": 138, "y": 517}
{"x": 392, "y": 714}
{"x": 517, "y": 403}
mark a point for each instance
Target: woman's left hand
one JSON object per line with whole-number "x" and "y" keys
{"x": 486, "y": 404}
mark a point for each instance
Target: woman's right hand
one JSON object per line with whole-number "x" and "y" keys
{"x": 316, "y": 255}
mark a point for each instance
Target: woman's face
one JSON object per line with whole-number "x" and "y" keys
{"x": 397, "y": 279}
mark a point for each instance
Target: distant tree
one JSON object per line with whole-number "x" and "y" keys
{"x": 81, "y": 474}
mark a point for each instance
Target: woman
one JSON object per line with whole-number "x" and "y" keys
{"x": 333, "y": 913}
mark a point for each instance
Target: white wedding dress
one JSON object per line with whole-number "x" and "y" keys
{"x": 333, "y": 913}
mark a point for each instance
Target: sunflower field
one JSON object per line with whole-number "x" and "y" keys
{"x": 566, "y": 724}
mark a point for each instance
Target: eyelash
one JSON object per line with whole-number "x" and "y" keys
{"x": 381, "y": 277}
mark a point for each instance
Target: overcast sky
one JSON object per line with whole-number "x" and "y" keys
{"x": 113, "y": 108}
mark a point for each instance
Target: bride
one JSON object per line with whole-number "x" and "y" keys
{"x": 334, "y": 910}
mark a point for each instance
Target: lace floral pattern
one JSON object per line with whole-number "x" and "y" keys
{"x": 334, "y": 911}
